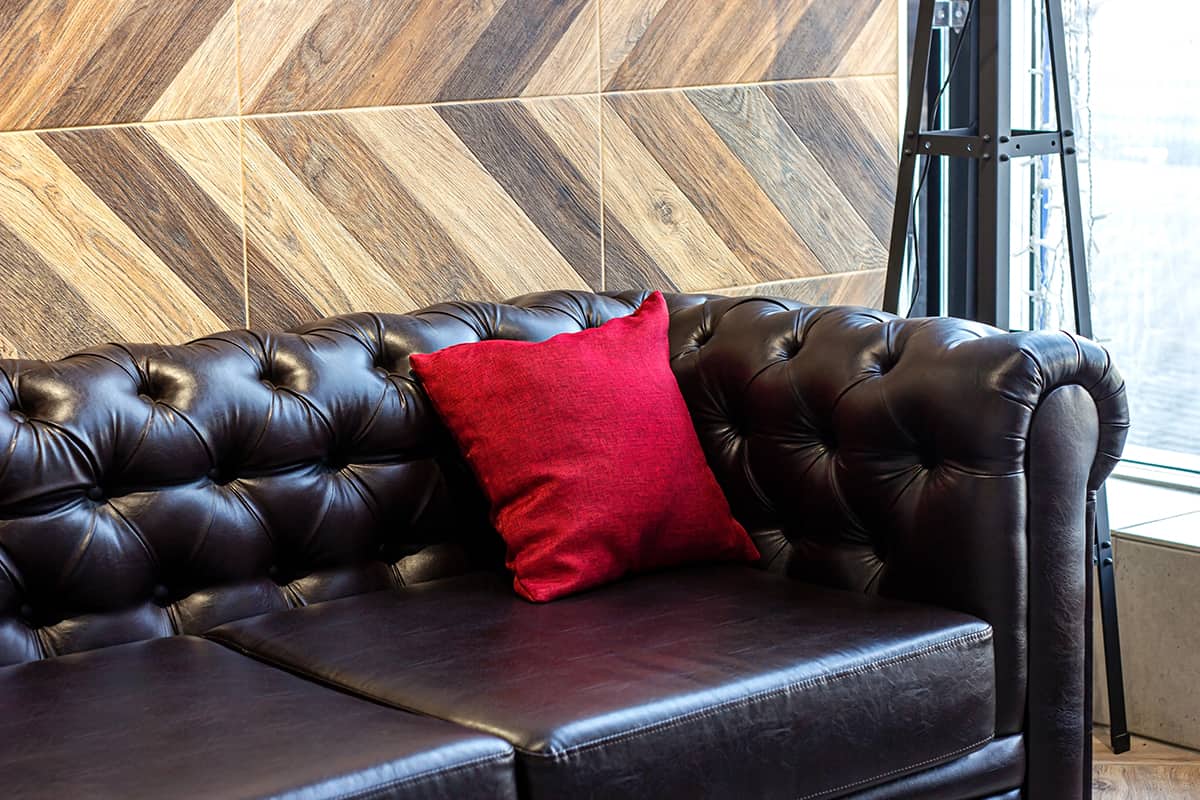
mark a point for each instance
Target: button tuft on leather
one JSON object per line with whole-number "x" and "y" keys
{"x": 95, "y": 493}
{"x": 161, "y": 594}
{"x": 26, "y": 612}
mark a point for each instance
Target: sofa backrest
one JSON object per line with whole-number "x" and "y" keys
{"x": 147, "y": 491}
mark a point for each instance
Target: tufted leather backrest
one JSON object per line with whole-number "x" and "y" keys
{"x": 147, "y": 491}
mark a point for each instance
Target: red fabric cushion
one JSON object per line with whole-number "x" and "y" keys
{"x": 584, "y": 446}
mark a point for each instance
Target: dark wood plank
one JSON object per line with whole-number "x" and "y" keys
{"x": 369, "y": 201}
{"x": 512, "y": 48}
{"x": 43, "y": 316}
{"x": 157, "y": 199}
{"x": 627, "y": 265}
{"x": 717, "y": 184}
{"x": 820, "y": 40}
{"x": 519, "y": 154}
{"x": 863, "y": 168}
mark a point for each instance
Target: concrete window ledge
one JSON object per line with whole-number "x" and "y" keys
{"x": 1156, "y": 545}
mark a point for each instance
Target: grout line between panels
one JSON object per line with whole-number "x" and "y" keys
{"x": 237, "y": 31}
{"x": 436, "y": 104}
{"x": 600, "y": 142}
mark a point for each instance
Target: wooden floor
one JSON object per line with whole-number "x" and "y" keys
{"x": 1149, "y": 771}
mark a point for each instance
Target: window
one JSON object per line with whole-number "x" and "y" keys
{"x": 1137, "y": 106}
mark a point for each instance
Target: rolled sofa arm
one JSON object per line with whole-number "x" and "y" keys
{"x": 933, "y": 460}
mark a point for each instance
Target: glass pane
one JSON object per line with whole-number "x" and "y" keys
{"x": 1137, "y": 102}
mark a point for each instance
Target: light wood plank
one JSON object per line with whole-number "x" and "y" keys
{"x": 209, "y": 153}
{"x": 48, "y": 206}
{"x": 271, "y": 33}
{"x": 792, "y": 177}
{"x": 299, "y": 56}
{"x": 573, "y": 62}
{"x": 643, "y": 198}
{"x": 622, "y": 24}
{"x": 680, "y": 43}
{"x": 473, "y": 209}
{"x": 851, "y": 289}
{"x": 307, "y": 245}
{"x": 42, "y": 52}
{"x": 717, "y": 184}
{"x": 207, "y": 83}
{"x": 1146, "y": 782}
{"x": 874, "y": 50}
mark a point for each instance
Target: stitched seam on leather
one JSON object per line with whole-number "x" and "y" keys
{"x": 909, "y": 768}
{"x": 765, "y": 694}
{"x": 375, "y": 791}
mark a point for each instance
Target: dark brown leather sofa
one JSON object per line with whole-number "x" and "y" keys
{"x": 255, "y": 565}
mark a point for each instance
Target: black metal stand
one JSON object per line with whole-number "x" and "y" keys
{"x": 988, "y": 148}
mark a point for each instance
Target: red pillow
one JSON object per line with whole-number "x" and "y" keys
{"x": 585, "y": 449}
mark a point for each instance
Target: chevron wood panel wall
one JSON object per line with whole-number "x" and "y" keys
{"x": 322, "y": 54}
{"x": 393, "y": 209}
{"x": 171, "y": 167}
{"x": 662, "y": 43}
{"x": 90, "y": 62}
{"x": 734, "y": 186}
{"x": 127, "y": 233}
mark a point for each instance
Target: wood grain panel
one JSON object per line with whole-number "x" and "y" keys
{"x": 317, "y": 54}
{"x": 392, "y": 209}
{"x": 672, "y": 129}
{"x": 850, "y": 149}
{"x": 675, "y": 43}
{"x": 155, "y": 198}
{"x": 515, "y": 150}
{"x": 1146, "y": 782}
{"x": 641, "y": 199}
{"x": 792, "y": 176}
{"x": 108, "y": 233}
{"x": 67, "y": 63}
{"x": 741, "y": 186}
{"x": 1149, "y": 770}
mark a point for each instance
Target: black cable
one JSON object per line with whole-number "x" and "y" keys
{"x": 937, "y": 103}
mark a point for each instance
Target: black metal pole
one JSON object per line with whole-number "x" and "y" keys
{"x": 909, "y": 158}
{"x": 993, "y": 254}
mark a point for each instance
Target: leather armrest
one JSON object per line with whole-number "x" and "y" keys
{"x": 934, "y": 460}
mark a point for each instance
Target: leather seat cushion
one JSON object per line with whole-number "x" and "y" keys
{"x": 717, "y": 681}
{"x": 184, "y": 717}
